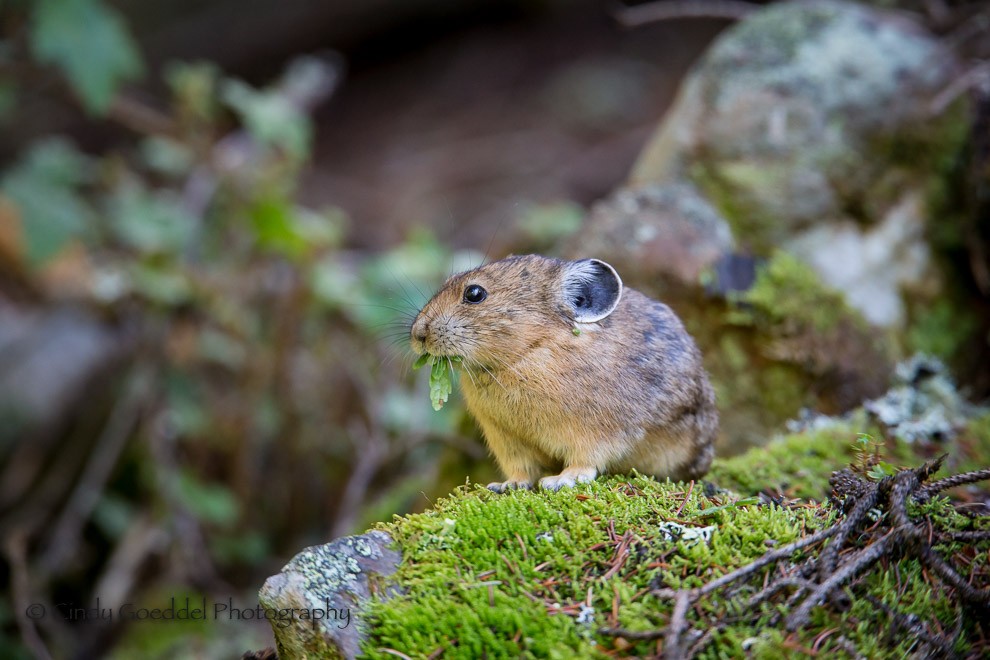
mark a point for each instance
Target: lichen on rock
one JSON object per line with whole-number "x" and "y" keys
{"x": 923, "y": 404}
{"x": 315, "y": 604}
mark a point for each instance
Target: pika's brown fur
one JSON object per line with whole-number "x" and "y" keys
{"x": 565, "y": 370}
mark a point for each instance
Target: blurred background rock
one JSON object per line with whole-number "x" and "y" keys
{"x": 216, "y": 218}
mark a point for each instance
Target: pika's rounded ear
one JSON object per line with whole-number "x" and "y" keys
{"x": 591, "y": 288}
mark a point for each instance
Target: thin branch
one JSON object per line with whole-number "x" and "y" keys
{"x": 977, "y": 536}
{"x": 799, "y": 617}
{"x": 937, "y": 565}
{"x": 140, "y": 117}
{"x": 678, "y": 623}
{"x": 371, "y": 449}
{"x": 633, "y": 635}
{"x": 739, "y": 573}
{"x": 703, "y": 641}
{"x": 905, "y": 483}
{"x": 16, "y": 551}
{"x": 926, "y": 492}
{"x": 912, "y": 625}
{"x": 829, "y": 557}
{"x": 779, "y": 585}
{"x": 80, "y": 505}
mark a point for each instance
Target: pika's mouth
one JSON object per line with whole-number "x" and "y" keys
{"x": 432, "y": 358}
{"x": 441, "y": 368}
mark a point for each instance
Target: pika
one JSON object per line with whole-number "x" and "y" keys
{"x": 569, "y": 373}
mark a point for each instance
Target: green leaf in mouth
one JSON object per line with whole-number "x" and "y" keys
{"x": 441, "y": 383}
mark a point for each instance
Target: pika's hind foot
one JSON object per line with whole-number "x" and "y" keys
{"x": 569, "y": 478}
{"x": 512, "y": 484}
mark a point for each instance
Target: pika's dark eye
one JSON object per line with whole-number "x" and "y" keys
{"x": 474, "y": 294}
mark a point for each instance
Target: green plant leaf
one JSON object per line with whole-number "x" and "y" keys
{"x": 44, "y": 187}
{"x": 209, "y": 502}
{"x": 275, "y": 229}
{"x": 152, "y": 222}
{"x": 161, "y": 285}
{"x": 881, "y": 470}
{"x": 440, "y": 385}
{"x": 90, "y": 43}
{"x": 270, "y": 118}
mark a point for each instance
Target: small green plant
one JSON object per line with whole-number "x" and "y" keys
{"x": 868, "y": 458}
{"x": 441, "y": 383}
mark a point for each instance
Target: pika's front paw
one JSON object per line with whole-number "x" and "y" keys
{"x": 512, "y": 484}
{"x": 568, "y": 478}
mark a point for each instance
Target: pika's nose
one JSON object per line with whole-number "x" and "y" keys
{"x": 419, "y": 332}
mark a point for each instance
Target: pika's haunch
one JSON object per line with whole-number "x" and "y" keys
{"x": 571, "y": 374}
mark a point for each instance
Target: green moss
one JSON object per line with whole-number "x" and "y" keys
{"x": 769, "y": 348}
{"x": 944, "y": 145}
{"x": 755, "y": 392}
{"x": 535, "y": 574}
{"x": 941, "y": 328}
{"x": 787, "y": 291}
{"x": 743, "y": 217}
{"x": 779, "y": 392}
{"x": 506, "y": 576}
{"x": 797, "y": 465}
{"x": 971, "y": 450}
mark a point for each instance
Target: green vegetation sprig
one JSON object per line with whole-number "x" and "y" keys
{"x": 441, "y": 383}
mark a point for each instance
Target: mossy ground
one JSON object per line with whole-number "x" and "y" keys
{"x": 536, "y": 574}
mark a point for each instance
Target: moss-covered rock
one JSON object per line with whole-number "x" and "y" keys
{"x": 536, "y": 574}
{"x": 810, "y": 135}
{"x": 540, "y": 574}
{"x": 815, "y": 127}
{"x": 795, "y": 114}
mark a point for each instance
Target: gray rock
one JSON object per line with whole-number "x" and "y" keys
{"x": 315, "y": 603}
{"x": 873, "y": 265}
{"x": 47, "y": 360}
{"x": 811, "y": 127}
{"x": 657, "y": 232}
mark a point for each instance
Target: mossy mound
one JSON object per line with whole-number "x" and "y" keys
{"x": 537, "y": 574}
{"x": 534, "y": 574}
{"x": 786, "y": 343}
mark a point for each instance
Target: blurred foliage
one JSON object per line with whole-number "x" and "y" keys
{"x": 44, "y": 188}
{"x": 89, "y": 43}
{"x": 281, "y": 409}
{"x": 261, "y": 324}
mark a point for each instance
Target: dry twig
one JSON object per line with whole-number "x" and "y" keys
{"x": 855, "y": 543}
